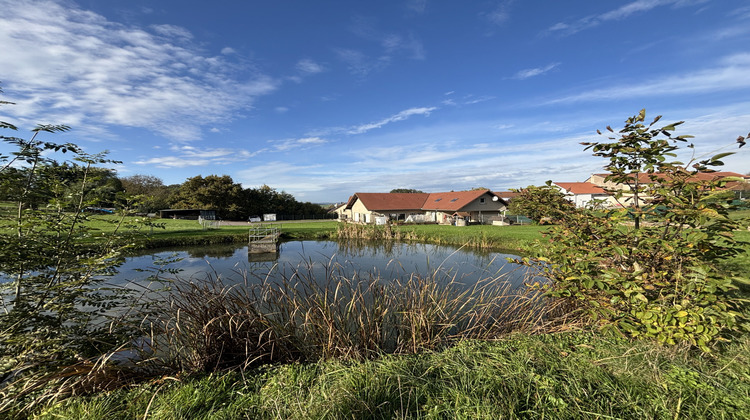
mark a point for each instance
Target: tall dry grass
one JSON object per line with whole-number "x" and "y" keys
{"x": 214, "y": 324}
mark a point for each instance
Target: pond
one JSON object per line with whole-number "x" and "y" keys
{"x": 388, "y": 260}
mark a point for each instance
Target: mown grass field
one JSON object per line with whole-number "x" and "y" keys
{"x": 168, "y": 232}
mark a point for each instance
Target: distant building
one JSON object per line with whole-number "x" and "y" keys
{"x": 584, "y": 193}
{"x": 478, "y": 206}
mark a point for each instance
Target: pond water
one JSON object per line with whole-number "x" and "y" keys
{"x": 388, "y": 260}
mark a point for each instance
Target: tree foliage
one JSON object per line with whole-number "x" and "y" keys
{"x": 56, "y": 307}
{"x": 231, "y": 201}
{"x": 406, "y": 190}
{"x": 649, "y": 268}
{"x": 148, "y": 192}
{"x": 537, "y": 203}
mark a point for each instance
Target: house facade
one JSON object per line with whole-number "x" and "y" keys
{"x": 583, "y": 194}
{"x": 480, "y": 206}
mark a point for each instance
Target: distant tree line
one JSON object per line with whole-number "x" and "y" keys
{"x": 219, "y": 193}
{"x": 148, "y": 194}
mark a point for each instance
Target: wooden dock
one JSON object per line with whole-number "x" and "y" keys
{"x": 263, "y": 239}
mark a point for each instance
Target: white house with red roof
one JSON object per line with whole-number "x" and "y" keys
{"x": 478, "y": 206}
{"x": 583, "y": 193}
{"x": 736, "y": 182}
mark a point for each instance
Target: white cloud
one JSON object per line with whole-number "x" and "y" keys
{"x": 393, "y": 46}
{"x": 187, "y": 156}
{"x": 500, "y": 14}
{"x": 299, "y": 144}
{"x": 730, "y": 75}
{"x": 172, "y": 31}
{"x": 98, "y": 72}
{"x": 359, "y": 63}
{"x": 309, "y": 66}
{"x": 393, "y": 118}
{"x": 527, "y": 73}
{"x": 620, "y": 13}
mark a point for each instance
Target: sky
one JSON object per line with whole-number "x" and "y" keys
{"x": 327, "y": 98}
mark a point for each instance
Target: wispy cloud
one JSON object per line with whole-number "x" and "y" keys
{"x": 298, "y": 144}
{"x": 730, "y": 74}
{"x": 620, "y": 13}
{"x": 527, "y": 73}
{"x": 187, "y": 156}
{"x": 360, "y": 64}
{"x": 309, "y": 66}
{"x": 57, "y": 56}
{"x": 500, "y": 13}
{"x": 418, "y": 6}
{"x": 466, "y": 100}
{"x": 393, "y": 118}
{"x": 391, "y": 46}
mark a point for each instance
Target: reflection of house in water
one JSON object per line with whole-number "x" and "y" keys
{"x": 477, "y": 206}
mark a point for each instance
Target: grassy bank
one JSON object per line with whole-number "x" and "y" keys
{"x": 565, "y": 375}
{"x": 190, "y": 232}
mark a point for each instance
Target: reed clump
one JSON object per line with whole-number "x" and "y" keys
{"x": 213, "y": 324}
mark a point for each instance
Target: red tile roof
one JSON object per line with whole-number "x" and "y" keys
{"x": 580, "y": 187}
{"x": 453, "y": 201}
{"x": 445, "y": 201}
{"x": 389, "y": 201}
{"x": 645, "y": 178}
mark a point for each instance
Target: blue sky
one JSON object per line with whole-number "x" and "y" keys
{"x": 324, "y": 99}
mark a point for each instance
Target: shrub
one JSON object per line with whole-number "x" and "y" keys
{"x": 649, "y": 268}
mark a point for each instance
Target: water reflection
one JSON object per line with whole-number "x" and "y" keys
{"x": 392, "y": 260}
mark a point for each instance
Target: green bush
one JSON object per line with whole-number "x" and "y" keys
{"x": 650, "y": 267}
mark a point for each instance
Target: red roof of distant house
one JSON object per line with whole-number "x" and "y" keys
{"x": 507, "y": 195}
{"x": 444, "y": 201}
{"x": 580, "y": 187}
{"x": 454, "y": 200}
{"x": 705, "y": 176}
{"x": 390, "y": 201}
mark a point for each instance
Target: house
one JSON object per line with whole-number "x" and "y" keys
{"x": 378, "y": 207}
{"x": 584, "y": 193}
{"x": 479, "y": 206}
{"x": 507, "y": 196}
{"x": 739, "y": 186}
{"x": 340, "y": 211}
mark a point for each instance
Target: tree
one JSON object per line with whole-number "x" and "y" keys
{"x": 56, "y": 308}
{"x": 658, "y": 279}
{"x": 149, "y": 192}
{"x": 218, "y": 193}
{"x": 406, "y": 190}
{"x": 538, "y": 203}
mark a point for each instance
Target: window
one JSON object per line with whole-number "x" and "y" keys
{"x": 455, "y": 199}
{"x": 438, "y": 200}
{"x": 481, "y": 201}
